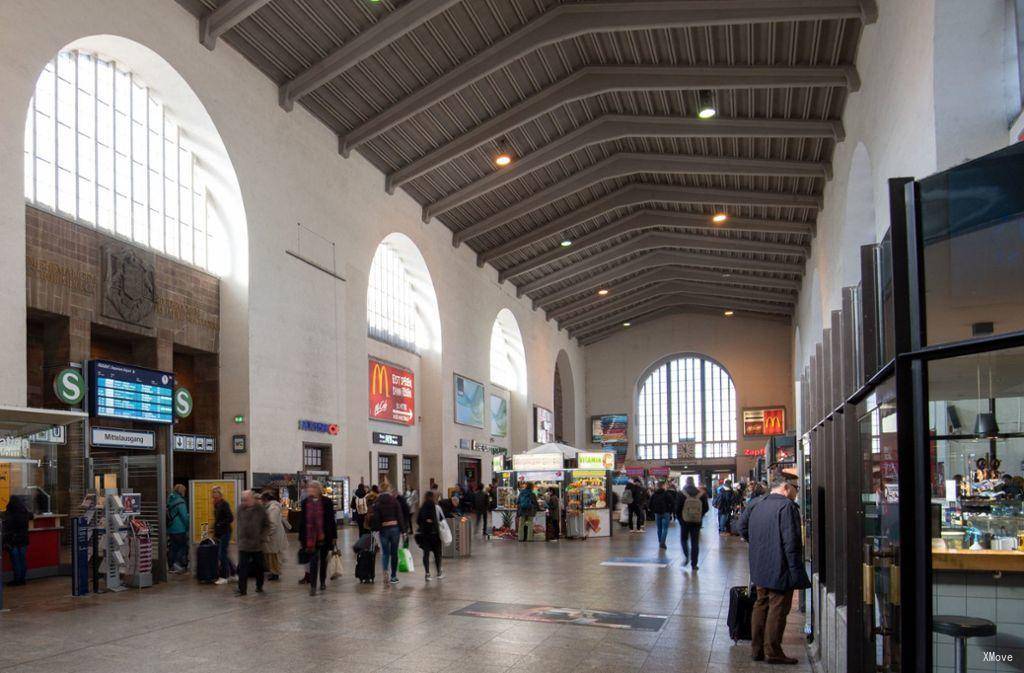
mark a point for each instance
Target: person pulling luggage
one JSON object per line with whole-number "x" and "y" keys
{"x": 771, "y": 524}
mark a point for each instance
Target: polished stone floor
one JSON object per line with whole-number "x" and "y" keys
{"x": 182, "y": 626}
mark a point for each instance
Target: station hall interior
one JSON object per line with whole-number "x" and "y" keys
{"x": 612, "y": 336}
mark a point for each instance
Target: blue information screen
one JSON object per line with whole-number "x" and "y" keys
{"x": 132, "y": 393}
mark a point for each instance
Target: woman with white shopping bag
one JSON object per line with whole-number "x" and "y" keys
{"x": 430, "y": 534}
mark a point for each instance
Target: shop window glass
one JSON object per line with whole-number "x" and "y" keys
{"x": 975, "y": 412}
{"x": 691, "y": 398}
{"x": 972, "y": 232}
{"x": 97, "y": 149}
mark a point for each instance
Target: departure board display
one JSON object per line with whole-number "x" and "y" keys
{"x": 132, "y": 393}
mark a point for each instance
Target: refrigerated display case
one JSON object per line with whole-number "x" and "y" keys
{"x": 503, "y": 517}
{"x": 587, "y": 495}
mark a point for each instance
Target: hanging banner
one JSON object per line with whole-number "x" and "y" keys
{"x": 392, "y": 396}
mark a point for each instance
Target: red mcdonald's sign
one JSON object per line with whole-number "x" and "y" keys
{"x": 392, "y": 396}
{"x": 765, "y": 422}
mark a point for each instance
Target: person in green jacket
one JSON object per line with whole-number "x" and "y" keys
{"x": 177, "y": 529}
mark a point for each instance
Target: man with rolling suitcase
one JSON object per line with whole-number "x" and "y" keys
{"x": 772, "y": 527}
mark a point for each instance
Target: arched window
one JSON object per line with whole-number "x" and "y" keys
{"x": 390, "y": 301}
{"x": 508, "y": 357}
{"x": 101, "y": 149}
{"x": 689, "y": 398}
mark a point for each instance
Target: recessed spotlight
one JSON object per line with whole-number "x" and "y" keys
{"x": 602, "y": 292}
{"x": 503, "y": 159}
{"x": 718, "y": 218}
{"x": 626, "y": 324}
{"x": 706, "y": 105}
{"x": 726, "y": 275}
{"x": 566, "y": 243}
{"x": 727, "y": 313}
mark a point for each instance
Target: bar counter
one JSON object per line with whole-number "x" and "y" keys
{"x": 981, "y": 560}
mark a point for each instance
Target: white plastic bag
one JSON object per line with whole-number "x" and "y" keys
{"x": 624, "y": 515}
{"x": 335, "y": 569}
{"x": 443, "y": 528}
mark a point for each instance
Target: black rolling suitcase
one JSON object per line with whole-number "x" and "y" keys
{"x": 366, "y": 566}
{"x": 741, "y": 611}
{"x": 206, "y": 561}
{"x": 366, "y": 558}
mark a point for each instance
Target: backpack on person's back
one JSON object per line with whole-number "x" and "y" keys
{"x": 627, "y": 496}
{"x": 693, "y": 509}
{"x": 361, "y": 506}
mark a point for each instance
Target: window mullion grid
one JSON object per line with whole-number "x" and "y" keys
{"x": 668, "y": 406}
{"x": 56, "y": 136}
{"x": 703, "y": 414}
{"x": 74, "y": 134}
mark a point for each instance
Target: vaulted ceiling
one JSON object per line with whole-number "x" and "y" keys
{"x": 614, "y": 179}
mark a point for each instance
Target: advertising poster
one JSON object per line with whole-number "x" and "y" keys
{"x": 764, "y": 422}
{"x": 499, "y": 416}
{"x": 608, "y": 429}
{"x": 595, "y": 460}
{"x": 5, "y": 484}
{"x": 201, "y": 503}
{"x": 543, "y": 425}
{"x": 550, "y": 614}
{"x": 469, "y": 402}
{"x": 392, "y": 393}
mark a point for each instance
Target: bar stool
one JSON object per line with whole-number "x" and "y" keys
{"x": 960, "y": 629}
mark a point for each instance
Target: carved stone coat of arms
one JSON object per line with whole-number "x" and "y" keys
{"x": 129, "y": 285}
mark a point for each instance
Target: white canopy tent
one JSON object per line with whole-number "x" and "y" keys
{"x": 568, "y": 452}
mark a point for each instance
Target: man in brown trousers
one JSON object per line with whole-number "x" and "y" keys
{"x": 771, "y": 524}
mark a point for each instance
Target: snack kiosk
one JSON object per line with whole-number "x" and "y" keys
{"x": 588, "y": 494}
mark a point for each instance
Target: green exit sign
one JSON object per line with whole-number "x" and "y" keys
{"x": 239, "y": 418}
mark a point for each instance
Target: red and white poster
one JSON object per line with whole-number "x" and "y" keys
{"x": 391, "y": 393}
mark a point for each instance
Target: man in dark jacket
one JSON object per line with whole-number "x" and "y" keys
{"x": 222, "y": 520}
{"x": 662, "y": 503}
{"x": 526, "y": 508}
{"x": 253, "y": 524}
{"x": 772, "y": 526}
{"x": 16, "y": 537}
{"x": 691, "y": 506}
{"x": 724, "y": 500}
{"x": 482, "y": 507}
{"x": 633, "y": 506}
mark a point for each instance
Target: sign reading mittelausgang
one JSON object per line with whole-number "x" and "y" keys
{"x": 116, "y": 438}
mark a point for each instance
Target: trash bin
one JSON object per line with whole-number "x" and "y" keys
{"x": 462, "y": 538}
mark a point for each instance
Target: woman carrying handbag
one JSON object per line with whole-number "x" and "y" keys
{"x": 429, "y": 521}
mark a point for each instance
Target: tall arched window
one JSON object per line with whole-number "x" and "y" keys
{"x": 391, "y": 305}
{"x": 101, "y": 149}
{"x": 401, "y": 306}
{"x": 508, "y": 356}
{"x": 688, "y": 398}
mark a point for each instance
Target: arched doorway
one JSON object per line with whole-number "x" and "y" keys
{"x": 565, "y": 401}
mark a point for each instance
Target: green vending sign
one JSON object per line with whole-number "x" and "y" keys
{"x": 69, "y": 386}
{"x": 182, "y": 403}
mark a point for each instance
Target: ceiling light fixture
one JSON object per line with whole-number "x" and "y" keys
{"x": 566, "y": 243}
{"x": 503, "y": 159}
{"x": 626, "y": 324}
{"x": 706, "y": 104}
{"x": 718, "y": 218}
{"x": 602, "y": 292}
{"x": 727, "y": 313}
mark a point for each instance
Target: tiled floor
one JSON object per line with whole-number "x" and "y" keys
{"x": 408, "y": 628}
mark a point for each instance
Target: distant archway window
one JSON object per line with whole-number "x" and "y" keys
{"x": 508, "y": 356}
{"x": 690, "y": 398}
{"x": 391, "y": 300}
{"x": 101, "y": 149}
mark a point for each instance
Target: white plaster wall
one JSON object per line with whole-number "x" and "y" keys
{"x": 938, "y": 88}
{"x": 301, "y": 365}
{"x": 756, "y": 353}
